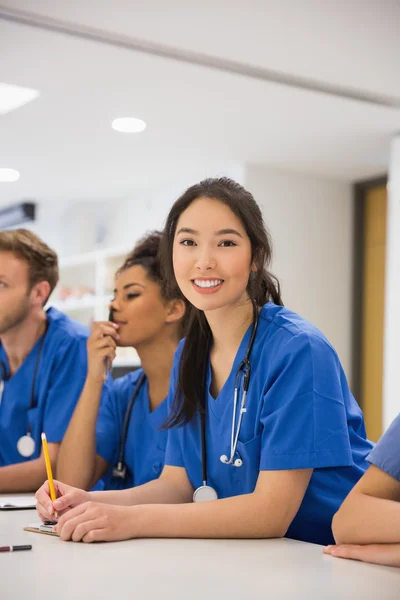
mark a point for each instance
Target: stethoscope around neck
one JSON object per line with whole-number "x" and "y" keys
{"x": 119, "y": 469}
{"x": 205, "y": 492}
{"x": 26, "y": 444}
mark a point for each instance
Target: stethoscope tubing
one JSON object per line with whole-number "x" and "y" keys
{"x": 127, "y": 418}
{"x": 35, "y": 373}
{"x": 244, "y": 371}
{"x": 26, "y": 444}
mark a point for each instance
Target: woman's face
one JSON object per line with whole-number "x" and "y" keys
{"x": 211, "y": 255}
{"x": 138, "y": 307}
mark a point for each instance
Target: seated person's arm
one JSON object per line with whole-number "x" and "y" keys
{"x": 371, "y": 512}
{"x": 367, "y": 525}
{"x": 78, "y": 463}
{"x": 380, "y": 554}
{"x": 265, "y": 513}
{"x": 26, "y": 476}
{"x": 172, "y": 487}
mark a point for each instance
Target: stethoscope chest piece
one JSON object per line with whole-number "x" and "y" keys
{"x": 205, "y": 493}
{"x": 26, "y": 445}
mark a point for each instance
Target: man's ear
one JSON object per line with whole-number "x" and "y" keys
{"x": 175, "y": 310}
{"x": 40, "y": 293}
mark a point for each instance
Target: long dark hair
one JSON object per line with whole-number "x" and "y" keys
{"x": 262, "y": 287}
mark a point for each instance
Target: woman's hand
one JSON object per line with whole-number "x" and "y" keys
{"x": 101, "y": 346}
{"x": 96, "y": 522}
{"x": 67, "y": 498}
{"x": 380, "y": 554}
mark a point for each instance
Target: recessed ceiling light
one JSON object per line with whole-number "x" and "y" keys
{"x": 128, "y": 125}
{"x": 14, "y": 96}
{"x": 8, "y": 175}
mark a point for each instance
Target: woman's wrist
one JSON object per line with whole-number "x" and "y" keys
{"x": 94, "y": 382}
{"x": 138, "y": 520}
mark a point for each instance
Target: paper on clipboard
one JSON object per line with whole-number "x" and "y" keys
{"x": 40, "y": 528}
{"x": 17, "y": 502}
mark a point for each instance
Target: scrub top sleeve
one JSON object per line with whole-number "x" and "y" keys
{"x": 303, "y": 416}
{"x": 386, "y": 454}
{"x": 67, "y": 381}
{"x": 173, "y": 453}
{"x": 108, "y": 429}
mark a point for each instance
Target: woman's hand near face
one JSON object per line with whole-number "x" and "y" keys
{"x": 101, "y": 345}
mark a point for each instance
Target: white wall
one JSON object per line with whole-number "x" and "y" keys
{"x": 131, "y": 218}
{"x": 391, "y": 380}
{"x": 311, "y": 223}
{"x": 79, "y": 226}
{"x": 69, "y": 227}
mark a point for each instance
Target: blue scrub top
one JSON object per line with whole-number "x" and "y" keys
{"x": 386, "y": 454}
{"x": 59, "y": 382}
{"x": 144, "y": 450}
{"x": 300, "y": 414}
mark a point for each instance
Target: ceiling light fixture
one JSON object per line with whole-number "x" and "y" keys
{"x": 8, "y": 175}
{"x": 14, "y": 96}
{"x": 128, "y": 125}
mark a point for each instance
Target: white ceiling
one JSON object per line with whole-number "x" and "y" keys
{"x": 200, "y": 120}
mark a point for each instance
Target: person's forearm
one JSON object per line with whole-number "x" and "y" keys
{"x": 76, "y": 463}
{"x": 23, "y": 477}
{"x": 242, "y": 516}
{"x": 159, "y": 491}
{"x": 366, "y": 519}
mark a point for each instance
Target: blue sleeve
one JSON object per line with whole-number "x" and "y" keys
{"x": 67, "y": 381}
{"x": 173, "y": 453}
{"x": 108, "y": 428}
{"x": 386, "y": 454}
{"x": 303, "y": 414}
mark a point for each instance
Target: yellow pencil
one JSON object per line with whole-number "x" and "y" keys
{"x": 48, "y": 468}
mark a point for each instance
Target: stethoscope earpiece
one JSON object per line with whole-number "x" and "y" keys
{"x": 236, "y": 463}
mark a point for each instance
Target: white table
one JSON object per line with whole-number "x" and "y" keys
{"x": 181, "y": 569}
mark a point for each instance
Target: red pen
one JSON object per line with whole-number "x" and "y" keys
{"x": 14, "y": 548}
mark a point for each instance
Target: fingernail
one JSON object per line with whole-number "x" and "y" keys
{"x": 328, "y": 547}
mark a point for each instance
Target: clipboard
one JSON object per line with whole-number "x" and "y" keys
{"x": 17, "y": 502}
{"x": 36, "y": 528}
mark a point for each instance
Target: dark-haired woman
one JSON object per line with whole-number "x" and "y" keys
{"x": 95, "y": 446}
{"x": 262, "y": 423}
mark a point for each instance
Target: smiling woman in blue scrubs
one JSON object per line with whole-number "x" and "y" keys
{"x": 95, "y": 446}
{"x": 280, "y": 457}
{"x": 42, "y": 361}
